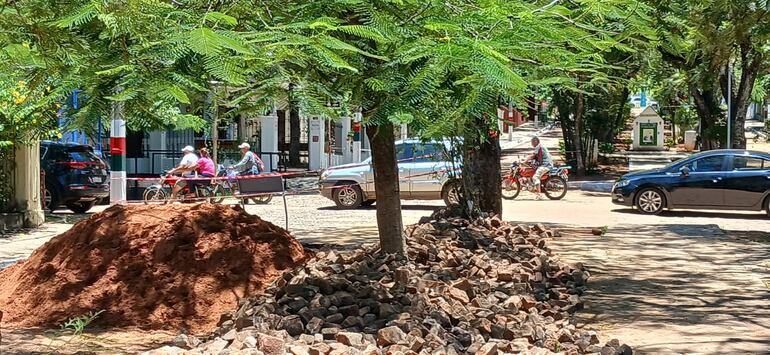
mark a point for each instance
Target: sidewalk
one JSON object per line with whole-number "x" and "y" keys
{"x": 519, "y": 136}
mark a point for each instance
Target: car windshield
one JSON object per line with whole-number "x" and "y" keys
{"x": 82, "y": 155}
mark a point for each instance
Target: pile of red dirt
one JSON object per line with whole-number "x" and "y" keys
{"x": 176, "y": 267}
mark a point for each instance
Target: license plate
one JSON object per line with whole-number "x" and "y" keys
{"x": 97, "y": 179}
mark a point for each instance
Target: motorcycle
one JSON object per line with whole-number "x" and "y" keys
{"x": 229, "y": 187}
{"x": 194, "y": 190}
{"x": 553, "y": 184}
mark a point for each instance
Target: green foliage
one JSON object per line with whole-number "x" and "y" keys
{"x": 78, "y": 324}
{"x": 26, "y": 113}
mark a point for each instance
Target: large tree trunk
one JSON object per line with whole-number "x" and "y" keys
{"x": 386, "y": 181}
{"x": 481, "y": 169}
{"x": 294, "y": 134}
{"x": 709, "y": 114}
{"x": 741, "y": 95}
{"x": 563, "y": 103}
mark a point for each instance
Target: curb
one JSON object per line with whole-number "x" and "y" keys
{"x": 592, "y": 186}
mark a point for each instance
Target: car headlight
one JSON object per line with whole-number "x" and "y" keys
{"x": 622, "y": 183}
{"x": 325, "y": 174}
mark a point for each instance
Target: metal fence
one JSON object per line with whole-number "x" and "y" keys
{"x": 7, "y": 178}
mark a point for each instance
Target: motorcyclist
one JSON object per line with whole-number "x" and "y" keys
{"x": 540, "y": 158}
{"x": 250, "y": 163}
{"x": 186, "y": 168}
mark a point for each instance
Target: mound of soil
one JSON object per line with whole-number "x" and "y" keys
{"x": 173, "y": 267}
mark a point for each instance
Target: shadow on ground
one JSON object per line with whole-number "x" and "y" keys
{"x": 675, "y": 288}
{"x": 347, "y": 237}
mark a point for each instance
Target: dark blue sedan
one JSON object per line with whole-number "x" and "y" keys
{"x": 716, "y": 179}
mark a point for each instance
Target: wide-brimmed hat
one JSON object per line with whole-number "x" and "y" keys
{"x": 244, "y": 145}
{"x": 188, "y": 149}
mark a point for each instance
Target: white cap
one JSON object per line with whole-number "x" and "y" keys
{"x": 244, "y": 145}
{"x": 187, "y": 149}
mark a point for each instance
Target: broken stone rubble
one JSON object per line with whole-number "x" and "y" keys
{"x": 481, "y": 287}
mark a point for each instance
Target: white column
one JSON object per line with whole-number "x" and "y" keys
{"x": 404, "y": 131}
{"x": 269, "y": 139}
{"x": 357, "y": 143}
{"x": 347, "y": 155}
{"x": 316, "y": 143}
{"x": 242, "y": 128}
{"x": 27, "y": 189}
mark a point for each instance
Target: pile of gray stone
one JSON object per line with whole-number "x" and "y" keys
{"x": 480, "y": 287}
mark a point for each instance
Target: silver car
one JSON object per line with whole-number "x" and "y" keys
{"x": 424, "y": 174}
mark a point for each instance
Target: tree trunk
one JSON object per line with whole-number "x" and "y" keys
{"x": 741, "y": 95}
{"x": 294, "y": 136}
{"x": 386, "y": 181}
{"x": 621, "y": 115}
{"x": 709, "y": 114}
{"x": 563, "y": 103}
{"x": 481, "y": 169}
{"x": 578, "y": 140}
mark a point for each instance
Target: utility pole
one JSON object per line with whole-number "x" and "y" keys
{"x": 729, "y": 105}
{"x": 117, "y": 153}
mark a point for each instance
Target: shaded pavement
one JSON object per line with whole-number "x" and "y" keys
{"x": 675, "y": 288}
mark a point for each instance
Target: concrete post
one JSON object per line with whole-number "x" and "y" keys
{"x": 27, "y": 190}
{"x": 357, "y": 137}
{"x": 269, "y": 139}
{"x": 404, "y": 131}
{"x": 347, "y": 154}
{"x": 317, "y": 158}
{"x": 117, "y": 155}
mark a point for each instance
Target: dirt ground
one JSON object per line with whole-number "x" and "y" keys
{"x": 106, "y": 341}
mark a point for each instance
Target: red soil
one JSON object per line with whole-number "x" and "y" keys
{"x": 176, "y": 267}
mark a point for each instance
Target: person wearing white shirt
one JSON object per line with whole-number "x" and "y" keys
{"x": 186, "y": 167}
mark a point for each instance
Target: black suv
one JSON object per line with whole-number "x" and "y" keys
{"x": 74, "y": 176}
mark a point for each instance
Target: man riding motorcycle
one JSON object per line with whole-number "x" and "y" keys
{"x": 541, "y": 158}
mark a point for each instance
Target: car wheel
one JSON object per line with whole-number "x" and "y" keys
{"x": 81, "y": 207}
{"x": 451, "y": 192}
{"x": 650, "y": 201}
{"x": 348, "y": 196}
{"x": 555, "y": 188}
{"x": 767, "y": 206}
{"x": 511, "y": 188}
{"x": 51, "y": 198}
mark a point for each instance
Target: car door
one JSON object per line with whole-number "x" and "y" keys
{"x": 747, "y": 181}
{"x": 404, "y": 158}
{"x": 426, "y": 171}
{"x": 703, "y": 186}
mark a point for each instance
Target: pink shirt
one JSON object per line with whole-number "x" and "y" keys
{"x": 205, "y": 166}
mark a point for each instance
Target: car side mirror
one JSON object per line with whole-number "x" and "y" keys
{"x": 685, "y": 171}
